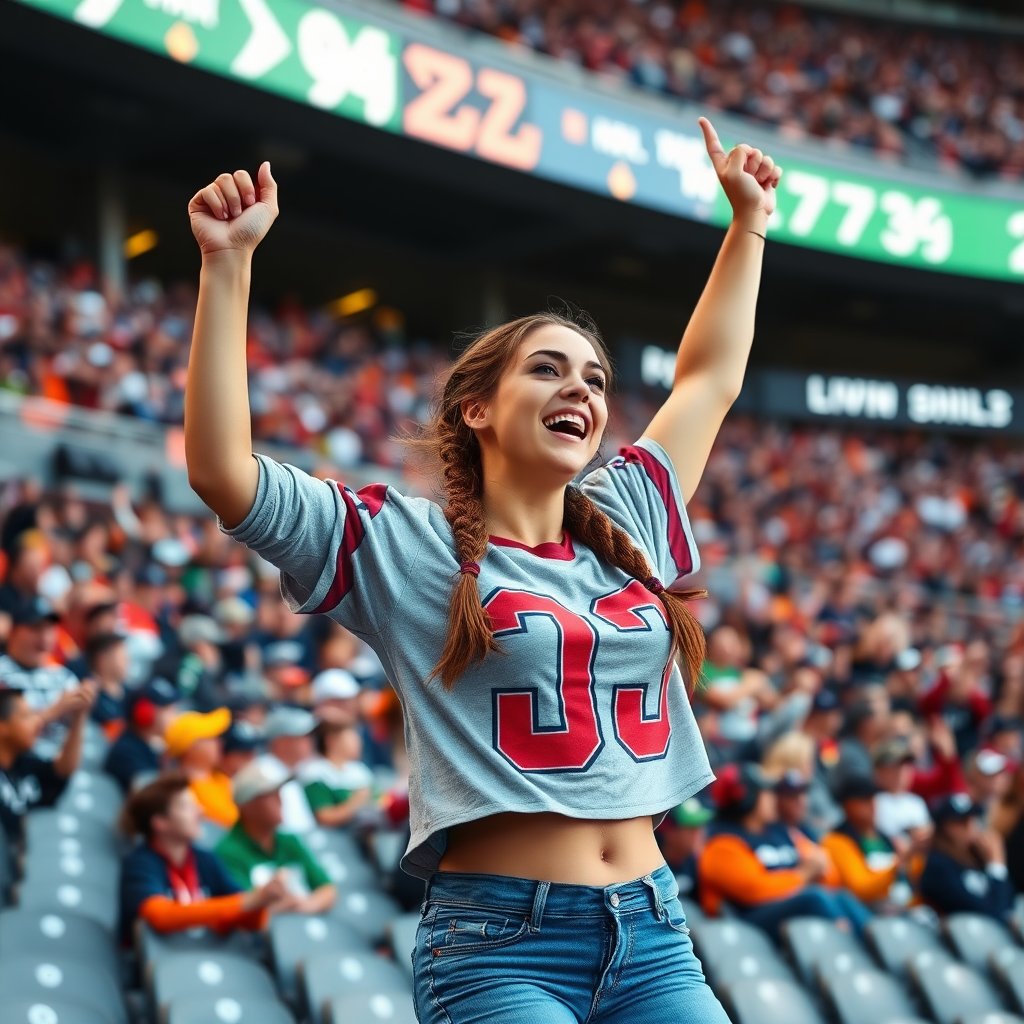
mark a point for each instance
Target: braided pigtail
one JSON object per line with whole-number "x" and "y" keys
{"x": 585, "y": 521}
{"x": 469, "y": 637}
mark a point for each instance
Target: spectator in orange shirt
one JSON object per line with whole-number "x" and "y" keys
{"x": 874, "y": 867}
{"x": 194, "y": 741}
{"x": 766, "y": 871}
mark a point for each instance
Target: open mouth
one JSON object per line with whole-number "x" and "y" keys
{"x": 569, "y": 423}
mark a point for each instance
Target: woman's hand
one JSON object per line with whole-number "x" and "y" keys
{"x": 232, "y": 214}
{"x": 748, "y": 176}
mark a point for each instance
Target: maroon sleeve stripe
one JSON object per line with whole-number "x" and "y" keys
{"x": 678, "y": 545}
{"x": 372, "y": 498}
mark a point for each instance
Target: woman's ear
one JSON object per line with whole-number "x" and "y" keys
{"x": 474, "y": 413}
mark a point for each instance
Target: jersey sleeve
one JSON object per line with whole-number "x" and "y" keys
{"x": 639, "y": 491}
{"x": 339, "y": 551}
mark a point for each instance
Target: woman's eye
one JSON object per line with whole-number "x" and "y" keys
{"x": 597, "y": 383}
{"x": 544, "y": 367}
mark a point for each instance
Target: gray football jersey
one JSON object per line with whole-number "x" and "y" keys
{"x": 582, "y": 715}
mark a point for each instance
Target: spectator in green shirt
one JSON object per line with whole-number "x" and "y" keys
{"x": 337, "y": 782}
{"x": 254, "y": 849}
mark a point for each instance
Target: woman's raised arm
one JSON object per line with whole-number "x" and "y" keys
{"x": 715, "y": 347}
{"x": 229, "y": 219}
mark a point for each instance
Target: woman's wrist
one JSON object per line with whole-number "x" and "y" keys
{"x": 227, "y": 261}
{"x": 755, "y": 221}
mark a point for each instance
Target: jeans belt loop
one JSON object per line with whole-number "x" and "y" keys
{"x": 659, "y": 907}
{"x": 540, "y": 897}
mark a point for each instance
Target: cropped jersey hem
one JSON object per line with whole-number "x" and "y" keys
{"x": 429, "y": 842}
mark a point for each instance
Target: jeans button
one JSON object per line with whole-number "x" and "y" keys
{"x": 614, "y": 899}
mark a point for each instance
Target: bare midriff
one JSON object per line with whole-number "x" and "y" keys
{"x": 554, "y": 848}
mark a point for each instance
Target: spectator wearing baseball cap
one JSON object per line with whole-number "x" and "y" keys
{"x": 873, "y": 867}
{"x": 766, "y": 872}
{"x": 336, "y": 781}
{"x": 108, "y": 664}
{"x": 823, "y": 723}
{"x": 966, "y": 867}
{"x": 202, "y": 664}
{"x": 257, "y": 848}
{"x": 287, "y": 678}
{"x": 169, "y": 882}
{"x": 335, "y": 694}
{"x": 289, "y": 732}
{"x": 988, "y": 778}
{"x": 681, "y": 837}
{"x": 194, "y": 741}
{"x": 1005, "y": 735}
{"x": 239, "y": 745}
{"x": 899, "y": 813}
{"x": 792, "y": 799}
{"x": 149, "y": 710}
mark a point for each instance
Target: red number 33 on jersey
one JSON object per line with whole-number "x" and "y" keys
{"x": 575, "y": 740}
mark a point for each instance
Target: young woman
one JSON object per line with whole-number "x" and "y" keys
{"x": 526, "y": 625}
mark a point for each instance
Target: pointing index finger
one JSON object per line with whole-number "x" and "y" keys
{"x": 715, "y": 149}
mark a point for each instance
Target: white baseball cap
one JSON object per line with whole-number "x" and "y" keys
{"x": 260, "y": 776}
{"x": 334, "y": 684}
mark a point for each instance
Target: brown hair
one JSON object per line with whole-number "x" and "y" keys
{"x": 149, "y": 802}
{"x": 476, "y": 375}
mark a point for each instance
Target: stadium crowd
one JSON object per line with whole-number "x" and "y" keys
{"x": 871, "y": 83}
{"x": 862, "y": 699}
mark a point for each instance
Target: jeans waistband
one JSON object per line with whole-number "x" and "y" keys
{"x": 528, "y": 896}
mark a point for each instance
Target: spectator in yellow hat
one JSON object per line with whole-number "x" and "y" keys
{"x": 194, "y": 741}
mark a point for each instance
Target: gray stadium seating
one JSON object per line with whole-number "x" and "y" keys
{"x": 60, "y": 897}
{"x": 992, "y": 1018}
{"x": 337, "y": 840}
{"x": 371, "y": 1007}
{"x": 388, "y": 847}
{"x": 367, "y": 911}
{"x": 1007, "y": 967}
{"x": 40, "y": 979}
{"x": 331, "y": 976}
{"x": 49, "y": 1011}
{"x": 734, "y": 951}
{"x": 58, "y": 935}
{"x": 44, "y": 829}
{"x": 212, "y": 974}
{"x": 95, "y": 868}
{"x": 402, "y": 938}
{"x": 974, "y": 937}
{"x": 868, "y": 997}
{"x": 952, "y": 990}
{"x": 770, "y": 1001}
{"x": 6, "y": 868}
{"x": 347, "y": 873}
{"x": 95, "y": 796}
{"x": 894, "y": 939}
{"x": 226, "y": 1009}
{"x": 295, "y": 938}
{"x": 819, "y": 948}
{"x": 151, "y": 946}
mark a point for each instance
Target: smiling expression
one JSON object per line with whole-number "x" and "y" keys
{"x": 550, "y": 410}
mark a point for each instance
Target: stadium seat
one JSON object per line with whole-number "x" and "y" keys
{"x": 367, "y": 911}
{"x": 371, "y": 1007}
{"x": 95, "y": 868}
{"x": 60, "y": 897}
{"x": 44, "y": 829}
{"x": 331, "y": 976}
{"x": 952, "y": 990}
{"x": 340, "y": 842}
{"x": 867, "y": 997}
{"x": 388, "y": 847}
{"x": 91, "y": 799}
{"x": 99, "y": 784}
{"x": 1007, "y": 967}
{"x": 41, "y": 978}
{"x": 770, "y": 1001}
{"x": 295, "y": 938}
{"x": 6, "y": 868}
{"x": 352, "y": 874}
{"x": 61, "y": 936}
{"x": 974, "y": 937}
{"x": 734, "y": 950}
{"x": 49, "y": 1011}
{"x": 211, "y": 973}
{"x": 992, "y": 1018}
{"x": 402, "y": 938}
{"x": 820, "y": 949}
{"x": 151, "y": 946}
{"x": 894, "y": 939}
{"x": 229, "y": 1009}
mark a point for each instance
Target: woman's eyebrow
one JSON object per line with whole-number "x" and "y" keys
{"x": 563, "y": 358}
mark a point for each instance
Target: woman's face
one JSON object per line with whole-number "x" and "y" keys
{"x": 549, "y": 412}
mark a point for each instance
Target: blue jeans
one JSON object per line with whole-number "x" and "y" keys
{"x": 812, "y": 902}
{"x": 505, "y": 950}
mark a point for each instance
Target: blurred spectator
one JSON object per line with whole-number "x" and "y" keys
{"x": 256, "y": 848}
{"x": 822, "y": 725}
{"x": 26, "y": 780}
{"x": 899, "y": 813}
{"x": 875, "y": 868}
{"x": 1008, "y": 821}
{"x": 966, "y": 867}
{"x": 170, "y": 883}
{"x": 289, "y": 734}
{"x": 960, "y": 695}
{"x": 988, "y": 778}
{"x": 337, "y": 783}
{"x": 200, "y": 668}
{"x": 681, "y": 837}
{"x": 1005, "y": 735}
{"x": 239, "y": 746}
{"x": 335, "y": 694}
{"x": 28, "y": 559}
{"x": 194, "y": 740}
{"x": 793, "y": 803}
{"x": 864, "y": 725}
{"x": 107, "y": 659}
{"x": 766, "y": 872}
{"x": 149, "y": 710}
{"x": 29, "y": 664}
